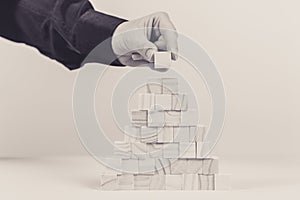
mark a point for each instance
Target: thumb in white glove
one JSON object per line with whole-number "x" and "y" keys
{"x": 135, "y": 42}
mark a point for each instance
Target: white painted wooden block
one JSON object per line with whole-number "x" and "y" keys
{"x": 139, "y": 117}
{"x": 148, "y": 131}
{"x": 173, "y": 182}
{"x": 108, "y": 182}
{"x": 157, "y": 182}
{"x": 147, "y": 166}
{"x": 139, "y": 150}
{"x": 197, "y": 133}
{"x": 190, "y": 182}
{"x": 171, "y": 150}
{"x": 169, "y": 86}
{"x": 163, "y": 102}
{"x": 189, "y": 118}
{"x": 172, "y": 118}
{"x": 210, "y": 166}
{"x": 155, "y": 150}
{"x": 195, "y": 166}
{"x": 179, "y": 102}
{"x": 222, "y": 182}
{"x": 182, "y": 134}
{"x": 206, "y": 182}
{"x": 125, "y": 182}
{"x": 122, "y": 149}
{"x": 154, "y": 86}
{"x": 156, "y": 119}
{"x": 165, "y": 134}
{"x": 187, "y": 150}
{"x": 179, "y": 167}
{"x": 187, "y": 166}
{"x": 202, "y": 149}
{"x": 152, "y": 139}
{"x": 163, "y": 166}
{"x": 142, "y": 182}
{"x": 162, "y": 60}
{"x": 130, "y": 165}
{"x": 149, "y": 134}
{"x": 132, "y": 133}
{"x": 146, "y": 101}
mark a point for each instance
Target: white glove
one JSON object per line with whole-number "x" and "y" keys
{"x": 135, "y": 42}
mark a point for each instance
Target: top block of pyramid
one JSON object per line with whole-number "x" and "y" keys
{"x": 162, "y": 60}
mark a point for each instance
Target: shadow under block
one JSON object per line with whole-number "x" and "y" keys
{"x": 162, "y": 60}
{"x": 125, "y": 182}
{"x": 108, "y": 182}
{"x": 173, "y": 182}
{"x": 169, "y": 86}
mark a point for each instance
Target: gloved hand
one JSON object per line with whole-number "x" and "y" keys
{"x": 135, "y": 42}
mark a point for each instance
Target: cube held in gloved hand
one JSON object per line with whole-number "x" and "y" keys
{"x": 162, "y": 60}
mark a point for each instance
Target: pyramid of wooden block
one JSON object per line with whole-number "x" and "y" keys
{"x": 162, "y": 148}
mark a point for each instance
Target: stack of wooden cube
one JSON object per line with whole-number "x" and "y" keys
{"x": 162, "y": 148}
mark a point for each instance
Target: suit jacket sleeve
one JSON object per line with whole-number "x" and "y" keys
{"x": 64, "y": 30}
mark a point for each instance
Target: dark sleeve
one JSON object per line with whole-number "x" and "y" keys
{"x": 64, "y": 30}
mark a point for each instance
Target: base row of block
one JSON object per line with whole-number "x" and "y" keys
{"x": 164, "y": 182}
{"x": 164, "y": 166}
